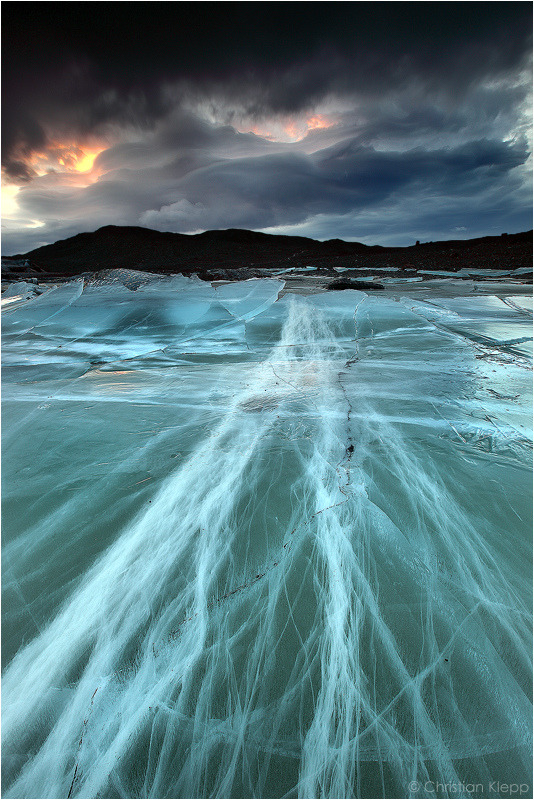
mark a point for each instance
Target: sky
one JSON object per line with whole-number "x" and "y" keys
{"x": 375, "y": 122}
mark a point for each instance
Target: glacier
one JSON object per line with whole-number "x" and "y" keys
{"x": 263, "y": 543}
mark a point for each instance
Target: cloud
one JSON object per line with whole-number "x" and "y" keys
{"x": 201, "y": 113}
{"x": 220, "y": 181}
{"x": 289, "y": 188}
{"x": 182, "y": 214}
{"x": 133, "y": 65}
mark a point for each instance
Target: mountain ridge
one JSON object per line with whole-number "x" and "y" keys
{"x": 135, "y": 247}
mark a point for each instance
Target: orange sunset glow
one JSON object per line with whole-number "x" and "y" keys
{"x": 291, "y": 130}
{"x": 318, "y": 121}
{"x": 69, "y": 158}
{"x": 79, "y": 160}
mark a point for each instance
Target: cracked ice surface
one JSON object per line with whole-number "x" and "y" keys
{"x": 265, "y": 546}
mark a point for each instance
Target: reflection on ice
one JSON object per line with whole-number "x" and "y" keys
{"x": 262, "y": 547}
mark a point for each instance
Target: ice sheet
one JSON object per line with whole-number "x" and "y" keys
{"x": 262, "y": 547}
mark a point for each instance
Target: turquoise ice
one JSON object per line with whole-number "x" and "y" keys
{"x": 257, "y": 544}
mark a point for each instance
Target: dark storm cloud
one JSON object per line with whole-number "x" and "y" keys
{"x": 426, "y": 106}
{"x": 73, "y": 68}
{"x": 349, "y": 190}
{"x": 18, "y": 171}
{"x": 195, "y": 141}
{"x": 288, "y": 188}
{"x": 196, "y": 192}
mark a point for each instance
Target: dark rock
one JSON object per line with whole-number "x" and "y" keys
{"x": 361, "y": 285}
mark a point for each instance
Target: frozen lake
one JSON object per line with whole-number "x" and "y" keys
{"x": 257, "y": 544}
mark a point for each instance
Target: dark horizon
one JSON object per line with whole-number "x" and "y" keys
{"x": 365, "y": 122}
{"x": 235, "y": 254}
{"x": 271, "y": 236}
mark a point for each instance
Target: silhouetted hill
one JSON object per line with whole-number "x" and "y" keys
{"x": 154, "y": 251}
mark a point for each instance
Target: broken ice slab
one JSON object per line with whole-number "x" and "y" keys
{"x": 40, "y": 309}
{"x": 524, "y": 303}
{"x": 488, "y": 320}
{"x": 20, "y": 293}
{"x": 401, "y": 280}
{"x": 249, "y": 298}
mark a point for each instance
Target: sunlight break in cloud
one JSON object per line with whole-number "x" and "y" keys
{"x": 287, "y": 130}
